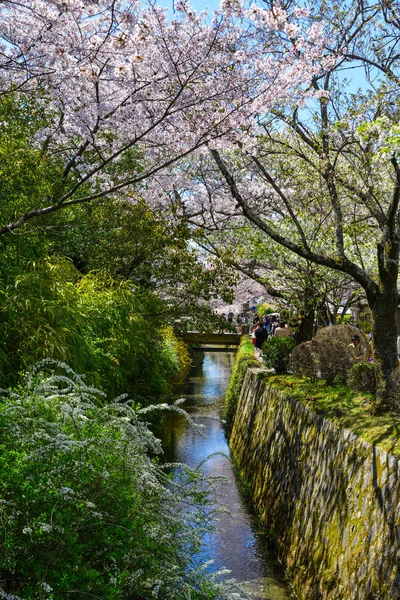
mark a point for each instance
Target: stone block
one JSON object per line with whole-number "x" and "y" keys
{"x": 332, "y": 500}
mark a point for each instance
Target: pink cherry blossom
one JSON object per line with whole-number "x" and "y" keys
{"x": 117, "y": 75}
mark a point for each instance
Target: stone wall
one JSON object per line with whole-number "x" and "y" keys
{"x": 330, "y": 500}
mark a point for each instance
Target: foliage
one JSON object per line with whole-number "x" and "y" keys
{"x": 365, "y": 324}
{"x": 180, "y": 356}
{"x": 93, "y": 322}
{"x": 276, "y": 353}
{"x": 342, "y": 334}
{"x": 99, "y": 287}
{"x": 361, "y": 377}
{"x": 105, "y": 132}
{"x": 244, "y": 360}
{"x": 333, "y": 360}
{"x": 25, "y": 173}
{"x": 85, "y": 510}
{"x": 333, "y": 342}
{"x": 265, "y": 308}
{"x": 324, "y": 182}
{"x": 145, "y": 246}
{"x": 302, "y": 360}
{"x": 344, "y": 406}
{"x": 327, "y": 355}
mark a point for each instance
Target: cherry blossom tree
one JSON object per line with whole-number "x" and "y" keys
{"x": 127, "y": 91}
{"x": 300, "y": 285}
{"x": 323, "y": 180}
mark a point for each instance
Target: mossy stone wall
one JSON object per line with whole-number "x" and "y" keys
{"x": 330, "y": 500}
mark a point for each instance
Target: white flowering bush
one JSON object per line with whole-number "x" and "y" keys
{"x": 85, "y": 508}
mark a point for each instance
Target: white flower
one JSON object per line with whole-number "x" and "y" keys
{"x": 65, "y": 491}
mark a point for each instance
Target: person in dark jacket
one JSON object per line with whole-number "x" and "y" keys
{"x": 261, "y": 335}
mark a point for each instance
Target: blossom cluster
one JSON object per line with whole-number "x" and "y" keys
{"x": 117, "y": 75}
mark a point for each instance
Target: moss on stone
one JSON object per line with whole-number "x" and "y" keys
{"x": 344, "y": 407}
{"x": 245, "y": 359}
{"x": 327, "y": 497}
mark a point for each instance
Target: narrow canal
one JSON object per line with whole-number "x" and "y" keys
{"x": 238, "y": 542}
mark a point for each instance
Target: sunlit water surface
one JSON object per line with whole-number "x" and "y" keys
{"x": 238, "y": 542}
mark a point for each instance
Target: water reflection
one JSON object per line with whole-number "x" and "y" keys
{"x": 237, "y": 542}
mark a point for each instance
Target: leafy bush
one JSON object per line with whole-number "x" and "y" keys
{"x": 84, "y": 510}
{"x": 361, "y": 377}
{"x": 332, "y": 353}
{"x": 95, "y": 323}
{"x": 276, "y": 353}
{"x": 333, "y": 360}
{"x": 245, "y": 359}
{"x": 302, "y": 360}
{"x": 179, "y": 356}
{"x": 365, "y": 325}
{"x": 326, "y": 356}
{"x": 341, "y": 334}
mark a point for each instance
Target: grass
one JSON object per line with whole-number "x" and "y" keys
{"x": 244, "y": 360}
{"x": 343, "y": 406}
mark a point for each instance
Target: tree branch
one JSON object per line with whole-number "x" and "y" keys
{"x": 341, "y": 264}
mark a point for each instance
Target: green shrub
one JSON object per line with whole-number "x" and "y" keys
{"x": 366, "y": 326}
{"x": 85, "y": 511}
{"x": 341, "y": 334}
{"x": 346, "y": 319}
{"x": 245, "y": 359}
{"x": 302, "y": 360}
{"x": 327, "y": 355}
{"x": 333, "y": 360}
{"x": 180, "y": 358}
{"x": 331, "y": 352}
{"x": 276, "y": 353}
{"x": 325, "y": 360}
{"x": 361, "y": 377}
{"x": 95, "y": 324}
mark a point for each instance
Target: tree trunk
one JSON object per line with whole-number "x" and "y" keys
{"x": 306, "y": 328}
{"x": 322, "y": 316}
{"x": 384, "y": 334}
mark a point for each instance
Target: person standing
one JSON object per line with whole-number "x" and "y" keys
{"x": 245, "y": 325}
{"x": 274, "y": 325}
{"x": 261, "y": 335}
{"x": 283, "y": 330}
{"x": 357, "y": 352}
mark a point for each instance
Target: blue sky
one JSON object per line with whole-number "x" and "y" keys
{"x": 197, "y": 4}
{"x": 355, "y": 75}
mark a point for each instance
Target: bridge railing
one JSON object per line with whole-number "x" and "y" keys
{"x": 219, "y": 339}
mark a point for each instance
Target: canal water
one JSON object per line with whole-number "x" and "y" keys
{"x": 238, "y": 542}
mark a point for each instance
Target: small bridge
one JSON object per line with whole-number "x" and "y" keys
{"x": 213, "y": 342}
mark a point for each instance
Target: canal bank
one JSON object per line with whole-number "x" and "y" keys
{"x": 238, "y": 542}
{"x": 330, "y": 499}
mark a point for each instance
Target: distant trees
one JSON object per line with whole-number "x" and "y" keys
{"x": 310, "y": 289}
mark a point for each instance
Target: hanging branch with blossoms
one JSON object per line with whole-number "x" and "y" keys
{"x": 128, "y": 92}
